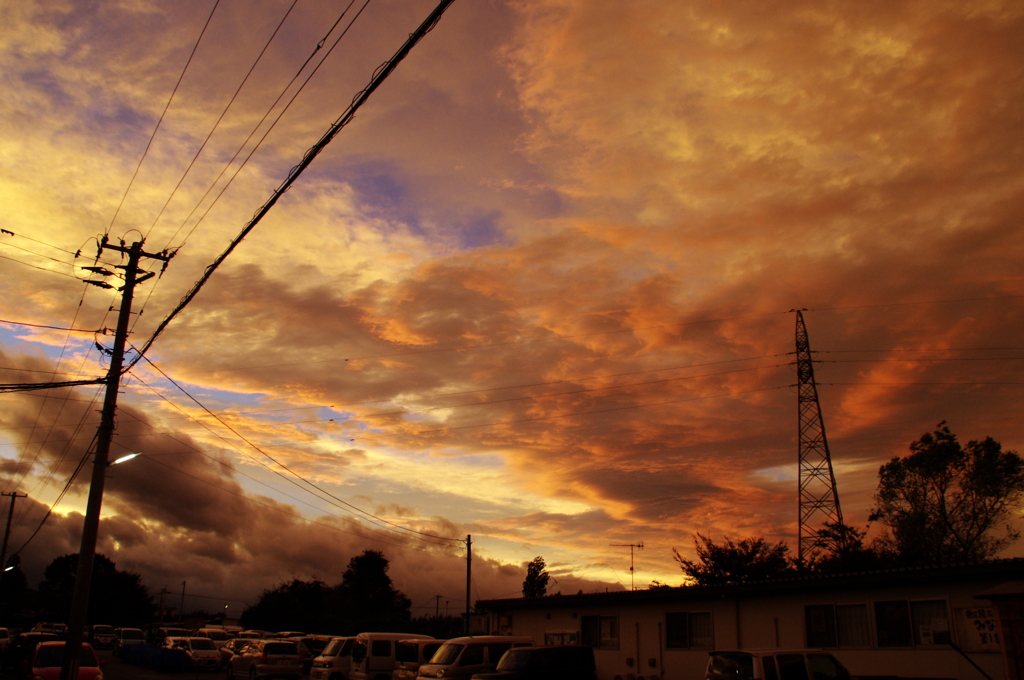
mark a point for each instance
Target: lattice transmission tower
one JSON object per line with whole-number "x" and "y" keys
{"x": 818, "y": 497}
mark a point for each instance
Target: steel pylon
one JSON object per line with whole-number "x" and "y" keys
{"x": 818, "y": 497}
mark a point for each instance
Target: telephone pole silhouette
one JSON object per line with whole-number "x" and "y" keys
{"x": 7, "y": 533}
{"x": 818, "y": 498}
{"x": 104, "y": 435}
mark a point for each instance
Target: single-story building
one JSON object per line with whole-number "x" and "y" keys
{"x": 925, "y": 622}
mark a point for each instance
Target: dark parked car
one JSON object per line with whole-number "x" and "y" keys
{"x": 775, "y": 664}
{"x": 553, "y": 662}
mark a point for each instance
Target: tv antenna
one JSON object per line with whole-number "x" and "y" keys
{"x": 632, "y": 571}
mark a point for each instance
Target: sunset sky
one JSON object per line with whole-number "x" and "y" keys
{"x": 538, "y": 291}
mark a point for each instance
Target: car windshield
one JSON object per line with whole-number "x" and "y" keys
{"x": 202, "y": 643}
{"x": 102, "y": 630}
{"x": 725, "y": 666}
{"x": 406, "y": 652}
{"x": 131, "y": 634}
{"x": 52, "y": 656}
{"x": 514, "y": 660}
{"x": 281, "y": 648}
{"x": 447, "y": 654}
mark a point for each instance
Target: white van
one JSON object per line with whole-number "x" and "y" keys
{"x": 335, "y": 662}
{"x": 463, "y": 656}
{"x": 373, "y": 655}
{"x": 410, "y": 655}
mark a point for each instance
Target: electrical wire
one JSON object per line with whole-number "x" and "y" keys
{"x": 220, "y": 118}
{"x": 519, "y": 421}
{"x": 42, "y": 243}
{"x": 912, "y": 304}
{"x": 49, "y": 511}
{"x": 289, "y": 470}
{"x": 42, "y": 269}
{"x": 21, "y": 387}
{"x": 45, "y": 257}
{"x": 293, "y": 175}
{"x": 161, "y": 120}
{"x": 296, "y": 515}
{"x": 54, "y": 328}
{"x": 273, "y": 124}
{"x": 509, "y": 343}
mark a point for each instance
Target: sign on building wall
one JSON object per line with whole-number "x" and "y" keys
{"x": 978, "y": 629}
{"x": 562, "y": 637}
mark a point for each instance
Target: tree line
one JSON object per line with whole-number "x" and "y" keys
{"x": 943, "y": 503}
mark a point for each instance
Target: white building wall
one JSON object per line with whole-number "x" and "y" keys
{"x": 764, "y": 622}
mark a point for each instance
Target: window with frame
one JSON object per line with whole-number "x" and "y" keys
{"x": 688, "y": 630}
{"x": 909, "y": 623}
{"x": 600, "y": 632}
{"x": 838, "y": 625}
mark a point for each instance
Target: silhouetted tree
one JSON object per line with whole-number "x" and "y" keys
{"x": 298, "y": 605}
{"x": 368, "y": 597}
{"x": 946, "y": 502}
{"x": 752, "y": 559}
{"x": 537, "y": 577}
{"x": 838, "y": 547}
{"x": 117, "y": 598}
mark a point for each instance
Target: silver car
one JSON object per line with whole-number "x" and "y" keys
{"x": 265, "y": 659}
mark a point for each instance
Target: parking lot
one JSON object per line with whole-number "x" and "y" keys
{"x": 116, "y": 670}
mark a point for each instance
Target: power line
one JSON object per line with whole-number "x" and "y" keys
{"x": 45, "y": 257}
{"x": 42, "y": 269}
{"x": 164, "y": 113}
{"x": 912, "y": 304}
{"x": 292, "y": 472}
{"x": 54, "y": 328}
{"x": 631, "y": 407}
{"x": 294, "y": 514}
{"x": 21, "y": 387}
{"x": 42, "y": 243}
{"x": 378, "y": 78}
{"x": 273, "y": 124}
{"x": 221, "y": 117}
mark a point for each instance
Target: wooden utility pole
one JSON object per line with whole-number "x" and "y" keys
{"x": 90, "y": 526}
{"x": 7, "y": 534}
{"x": 469, "y": 575}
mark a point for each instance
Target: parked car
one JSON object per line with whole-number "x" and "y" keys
{"x": 550, "y": 662}
{"x": 101, "y": 635}
{"x": 266, "y": 659}
{"x": 251, "y": 634}
{"x": 126, "y": 636}
{"x": 373, "y": 656}
{"x": 775, "y": 664}
{"x": 229, "y": 649}
{"x": 335, "y": 662}
{"x": 49, "y": 657}
{"x": 410, "y": 655}
{"x": 155, "y": 635}
{"x": 218, "y": 634}
{"x": 23, "y": 649}
{"x": 5, "y": 639}
{"x": 202, "y": 652}
{"x": 463, "y": 657}
{"x": 316, "y": 643}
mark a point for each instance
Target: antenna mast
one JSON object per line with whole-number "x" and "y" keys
{"x": 632, "y": 572}
{"x": 818, "y": 498}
